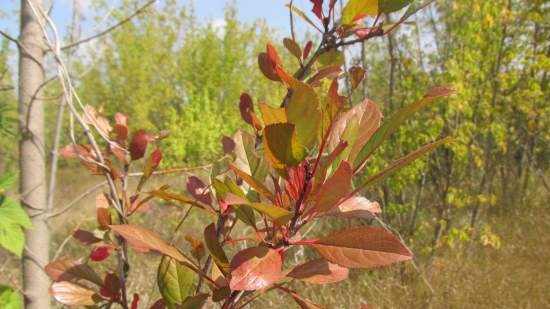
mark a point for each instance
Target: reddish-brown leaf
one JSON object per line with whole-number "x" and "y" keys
{"x": 317, "y": 8}
{"x": 362, "y": 247}
{"x": 356, "y": 76}
{"x": 159, "y": 304}
{"x": 145, "y": 240}
{"x": 73, "y": 295}
{"x": 303, "y": 303}
{"x": 228, "y": 144}
{"x": 319, "y": 272}
{"x": 335, "y": 188}
{"x": 111, "y": 286}
{"x": 138, "y": 145}
{"x": 198, "y": 190}
{"x": 69, "y": 270}
{"x": 255, "y": 268}
{"x": 267, "y": 67}
{"x": 307, "y": 49}
{"x": 246, "y": 107}
{"x": 87, "y": 238}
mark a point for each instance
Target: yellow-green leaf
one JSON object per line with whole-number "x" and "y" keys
{"x": 356, "y": 9}
{"x": 174, "y": 281}
{"x": 282, "y": 146}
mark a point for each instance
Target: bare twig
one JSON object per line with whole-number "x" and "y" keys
{"x": 113, "y": 27}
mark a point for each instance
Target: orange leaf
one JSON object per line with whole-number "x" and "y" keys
{"x": 335, "y": 188}
{"x": 362, "y": 247}
{"x": 255, "y": 268}
{"x": 147, "y": 240}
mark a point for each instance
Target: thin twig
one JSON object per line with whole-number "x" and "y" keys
{"x": 113, "y": 27}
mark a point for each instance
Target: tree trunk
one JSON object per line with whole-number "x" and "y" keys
{"x": 32, "y": 158}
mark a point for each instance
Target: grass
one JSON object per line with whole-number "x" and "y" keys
{"x": 470, "y": 275}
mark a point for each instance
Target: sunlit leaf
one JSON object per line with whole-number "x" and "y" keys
{"x": 319, "y": 272}
{"x": 175, "y": 281}
{"x": 271, "y": 115}
{"x": 255, "y": 268}
{"x": 282, "y": 145}
{"x": 215, "y": 249}
{"x": 332, "y": 57}
{"x": 73, "y": 295}
{"x": 146, "y": 240}
{"x": 275, "y": 213}
{"x": 357, "y": 9}
{"x": 389, "y": 6}
{"x": 356, "y": 207}
{"x": 362, "y": 247}
{"x": 254, "y": 183}
{"x": 9, "y": 298}
{"x": 304, "y": 104}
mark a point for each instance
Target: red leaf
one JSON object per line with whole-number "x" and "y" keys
{"x": 145, "y": 240}
{"x": 156, "y": 156}
{"x": 69, "y": 269}
{"x": 319, "y": 272}
{"x": 255, "y": 268}
{"x": 111, "y": 286}
{"x": 307, "y": 50}
{"x": 135, "y": 301}
{"x": 266, "y": 66}
{"x": 317, "y": 8}
{"x": 100, "y": 254}
{"x": 246, "y": 107}
{"x": 362, "y": 247}
{"x": 138, "y": 145}
{"x": 273, "y": 56}
{"x": 335, "y": 188}
{"x": 73, "y": 295}
{"x": 198, "y": 190}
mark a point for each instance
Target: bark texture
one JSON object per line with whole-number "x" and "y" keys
{"x": 32, "y": 158}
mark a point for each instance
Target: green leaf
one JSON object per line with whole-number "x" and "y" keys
{"x": 280, "y": 215}
{"x": 215, "y": 249}
{"x": 13, "y": 219}
{"x": 174, "y": 280}
{"x": 388, "y": 6}
{"x": 331, "y": 57}
{"x": 293, "y": 48}
{"x": 282, "y": 146}
{"x": 392, "y": 124}
{"x": 9, "y": 298}
{"x": 6, "y": 181}
{"x": 303, "y": 111}
{"x": 253, "y": 182}
{"x": 356, "y": 9}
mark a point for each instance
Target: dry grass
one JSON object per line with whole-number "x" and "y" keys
{"x": 472, "y": 276}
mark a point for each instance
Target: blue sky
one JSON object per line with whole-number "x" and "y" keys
{"x": 273, "y": 11}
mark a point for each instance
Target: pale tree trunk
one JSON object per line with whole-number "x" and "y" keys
{"x": 32, "y": 158}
